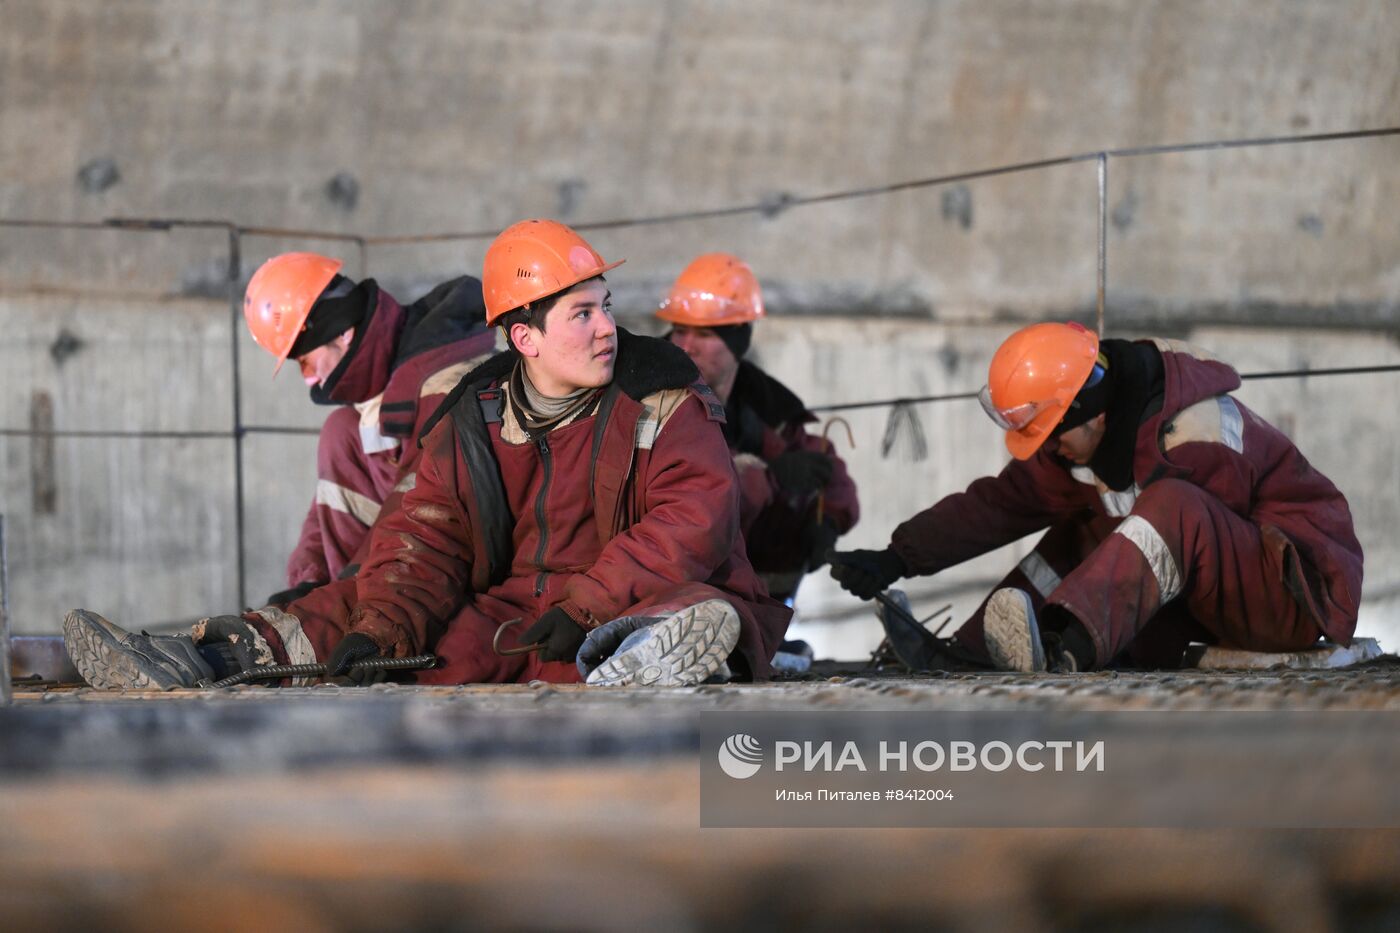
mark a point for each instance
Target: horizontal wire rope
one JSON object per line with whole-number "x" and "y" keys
{"x": 767, "y": 207}
{"x": 843, "y": 406}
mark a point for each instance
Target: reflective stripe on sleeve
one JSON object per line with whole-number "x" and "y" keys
{"x": 1231, "y": 425}
{"x": 355, "y": 504}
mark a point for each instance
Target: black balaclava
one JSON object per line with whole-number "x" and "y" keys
{"x": 340, "y": 307}
{"x": 736, "y": 337}
{"x": 1128, "y": 392}
{"x": 1093, "y": 397}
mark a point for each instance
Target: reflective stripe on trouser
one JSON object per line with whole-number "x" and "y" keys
{"x": 1182, "y": 542}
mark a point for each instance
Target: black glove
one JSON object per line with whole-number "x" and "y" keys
{"x": 801, "y": 470}
{"x": 823, "y": 536}
{"x": 865, "y": 573}
{"x": 561, "y": 635}
{"x": 354, "y": 647}
{"x": 283, "y": 598}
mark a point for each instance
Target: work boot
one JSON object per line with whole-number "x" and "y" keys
{"x": 793, "y": 657}
{"x": 111, "y": 658}
{"x": 1011, "y": 633}
{"x": 1014, "y": 639}
{"x": 683, "y": 648}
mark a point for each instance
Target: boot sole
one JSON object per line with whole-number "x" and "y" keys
{"x": 683, "y": 649}
{"x": 1011, "y": 634}
{"x": 102, "y": 660}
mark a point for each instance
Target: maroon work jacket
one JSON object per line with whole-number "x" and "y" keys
{"x": 401, "y": 366}
{"x": 1203, "y": 436}
{"x": 600, "y": 515}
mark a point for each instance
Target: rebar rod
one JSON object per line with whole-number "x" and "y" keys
{"x": 280, "y": 671}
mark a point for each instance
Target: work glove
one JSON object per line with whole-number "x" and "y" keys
{"x": 801, "y": 471}
{"x": 356, "y": 646}
{"x": 283, "y": 598}
{"x": 561, "y": 635}
{"x": 823, "y": 537}
{"x": 865, "y": 573}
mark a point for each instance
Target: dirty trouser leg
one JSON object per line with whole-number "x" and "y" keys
{"x": 309, "y": 629}
{"x": 1180, "y": 542}
{"x": 1040, "y": 572}
{"x": 1163, "y": 640}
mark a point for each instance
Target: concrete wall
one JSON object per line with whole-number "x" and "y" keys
{"x": 469, "y": 116}
{"x": 427, "y": 117}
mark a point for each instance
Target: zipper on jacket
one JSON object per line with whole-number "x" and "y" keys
{"x": 543, "y": 444}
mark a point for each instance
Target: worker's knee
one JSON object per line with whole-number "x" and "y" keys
{"x": 1171, "y": 498}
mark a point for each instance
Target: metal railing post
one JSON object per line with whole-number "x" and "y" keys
{"x": 1103, "y": 235}
{"x": 235, "y": 300}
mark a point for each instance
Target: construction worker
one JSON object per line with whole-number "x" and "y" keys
{"x": 386, "y": 367}
{"x": 1175, "y": 514}
{"x": 579, "y": 482}
{"x": 796, "y": 497}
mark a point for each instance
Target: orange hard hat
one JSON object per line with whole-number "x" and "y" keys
{"x": 715, "y": 290}
{"x": 535, "y": 259}
{"x": 1034, "y": 376}
{"x": 280, "y": 297}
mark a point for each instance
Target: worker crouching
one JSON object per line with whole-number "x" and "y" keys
{"x": 1175, "y": 514}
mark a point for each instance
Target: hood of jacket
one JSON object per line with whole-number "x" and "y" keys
{"x": 392, "y": 335}
{"x": 1191, "y": 375}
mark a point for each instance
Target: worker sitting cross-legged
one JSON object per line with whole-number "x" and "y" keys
{"x": 578, "y": 483}
{"x": 1174, "y": 514}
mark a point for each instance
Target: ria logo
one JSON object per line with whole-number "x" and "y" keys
{"x": 740, "y": 756}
